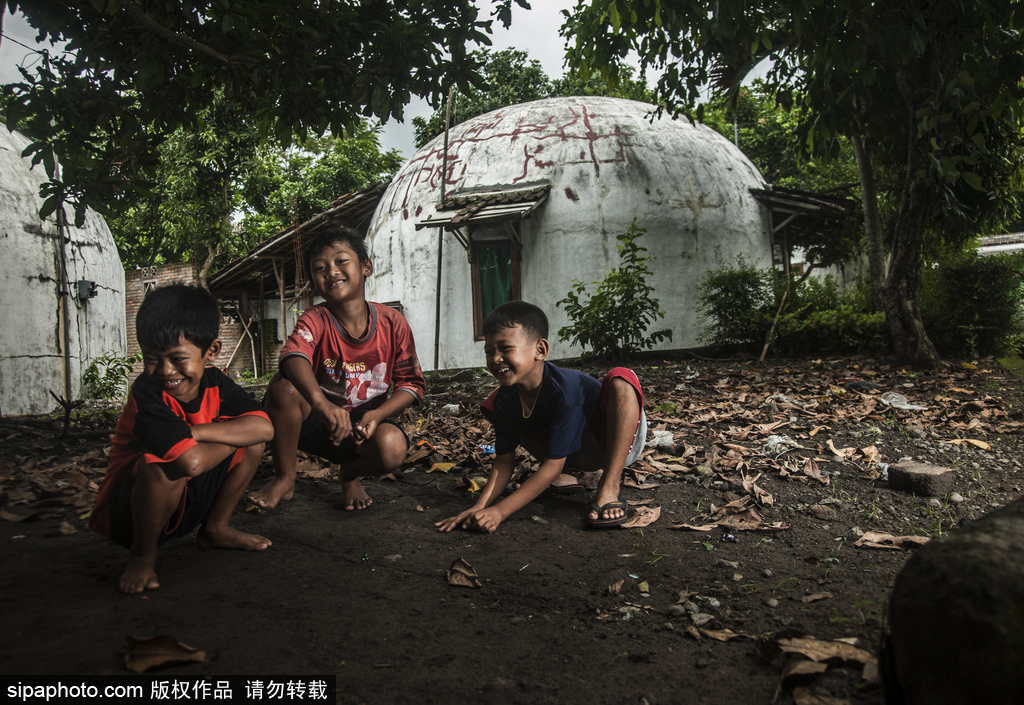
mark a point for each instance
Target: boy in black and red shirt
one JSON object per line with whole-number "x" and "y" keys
{"x": 330, "y": 397}
{"x": 187, "y": 444}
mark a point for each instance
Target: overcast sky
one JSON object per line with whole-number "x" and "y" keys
{"x": 535, "y": 31}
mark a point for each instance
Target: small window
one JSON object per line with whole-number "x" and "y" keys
{"x": 148, "y": 285}
{"x": 495, "y": 278}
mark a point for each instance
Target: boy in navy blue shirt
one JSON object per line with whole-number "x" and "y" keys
{"x": 565, "y": 418}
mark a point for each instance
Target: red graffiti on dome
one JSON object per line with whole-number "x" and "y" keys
{"x": 429, "y": 167}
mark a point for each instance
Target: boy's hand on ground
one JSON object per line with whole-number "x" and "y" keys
{"x": 455, "y": 522}
{"x": 336, "y": 420}
{"x": 486, "y": 520}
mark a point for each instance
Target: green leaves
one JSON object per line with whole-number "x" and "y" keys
{"x": 136, "y": 72}
{"x": 613, "y": 321}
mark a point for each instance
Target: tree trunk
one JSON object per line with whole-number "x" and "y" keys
{"x": 872, "y": 220}
{"x": 909, "y": 339}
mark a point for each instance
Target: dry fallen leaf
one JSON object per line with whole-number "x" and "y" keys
{"x": 973, "y": 441}
{"x": 724, "y": 634}
{"x": 645, "y": 486}
{"x": 145, "y": 653}
{"x": 8, "y": 515}
{"x": 67, "y": 529}
{"x": 877, "y": 539}
{"x": 823, "y": 650}
{"x": 816, "y": 597}
{"x": 642, "y": 516}
{"x": 616, "y": 588}
{"x": 441, "y": 467}
{"x": 802, "y": 696}
{"x": 463, "y": 574}
{"x": 802, "y": 668}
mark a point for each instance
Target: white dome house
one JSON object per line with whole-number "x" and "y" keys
{"x": 62, "y": 301}
{"x": 535, "y": 196}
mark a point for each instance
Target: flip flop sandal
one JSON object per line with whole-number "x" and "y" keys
{"x": 600, "y": 523}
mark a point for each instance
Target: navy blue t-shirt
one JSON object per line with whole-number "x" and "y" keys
{"x": 560, "y": 414}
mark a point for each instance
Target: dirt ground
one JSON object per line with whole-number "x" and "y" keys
{"x": 656, "y": 614}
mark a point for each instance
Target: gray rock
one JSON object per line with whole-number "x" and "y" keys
{"x": 677, "y": 610}
{"x": 699, "y": 619}
{"x": 823, "y": 512}
{"x": 956, "y": 498}
{"x": 922, "y": 479}
{"x": 933, "y": 503}
{"x": 955, "y": 615}
{"x": 464, "y": 376}
{"x": 772, "y": 602}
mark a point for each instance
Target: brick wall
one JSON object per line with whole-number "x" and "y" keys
{"x": 138, "y": 281}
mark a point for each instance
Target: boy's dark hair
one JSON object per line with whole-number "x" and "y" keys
{"x": 177, "y": 310}
{"x": 331, "y": 235}
{"x": 521, "y": 313}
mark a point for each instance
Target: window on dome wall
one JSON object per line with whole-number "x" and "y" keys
{"x": 495, "y": 266}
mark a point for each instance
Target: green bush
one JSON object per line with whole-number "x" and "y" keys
{"x": 612, "y": 322}
{"x": 106, "y": 376}
{"x": 735, "y": 304}
{"x": 738, "y": 305}
{"x": 971, "y": 304}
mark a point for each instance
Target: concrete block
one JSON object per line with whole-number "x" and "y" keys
{"x": 922, "y": 479}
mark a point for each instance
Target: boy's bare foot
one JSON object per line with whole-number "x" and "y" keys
{"x": 231, "y": 538}
{"x": 139, "y": 576}
{"x": 613, "y": 512}
{"x": 355, "y": 496}
{"x": 273, "y": 492}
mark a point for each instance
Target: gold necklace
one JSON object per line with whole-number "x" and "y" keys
{"x": 528, "y": 410}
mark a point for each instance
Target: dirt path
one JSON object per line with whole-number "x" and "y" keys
{"x": 563, "y": 614}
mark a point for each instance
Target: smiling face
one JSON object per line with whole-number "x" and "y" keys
{"x": 179, "y": 370}
{"x": 514, "y": 357}
{"x": 338, "y": 275}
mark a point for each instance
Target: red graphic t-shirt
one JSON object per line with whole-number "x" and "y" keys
{"x": 354, "y": 372}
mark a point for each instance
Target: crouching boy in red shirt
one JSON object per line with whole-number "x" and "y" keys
{"x": 187, "y": 444}
{"x": 564, "y": 418}
{"x": 346, "y": 371}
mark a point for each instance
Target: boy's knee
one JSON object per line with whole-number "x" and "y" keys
{"x": 393, "y": 448}
{"x": 281, "y": 394}
{"x": 156, "y": 472}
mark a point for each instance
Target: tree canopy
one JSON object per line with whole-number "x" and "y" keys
{"x": 766, "y": 132}
{"x": 134, "y": 71}
{"x": 934, "y": 86}
{"x": 220, "y": 190}
{"x": 511, "y": 77}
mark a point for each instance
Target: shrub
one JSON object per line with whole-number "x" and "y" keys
{"x": 738, "y": 304}
{"x": 735, "y": 304}
{"x": 971, "y": 304}
{"x": 106, "y": 376}
{"x": 612, "y": 322}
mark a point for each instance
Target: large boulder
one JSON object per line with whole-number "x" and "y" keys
{"x": 956, "y": 617}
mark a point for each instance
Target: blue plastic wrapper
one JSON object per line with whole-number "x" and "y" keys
{"x": 486, "y": 449}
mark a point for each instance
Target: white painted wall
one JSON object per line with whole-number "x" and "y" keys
{"x": 607, "y": 164}
{"x": 31, "y": 332}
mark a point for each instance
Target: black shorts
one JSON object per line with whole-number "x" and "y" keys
{"x": 195, "y": 504}
{"x": 315, "y": 439}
